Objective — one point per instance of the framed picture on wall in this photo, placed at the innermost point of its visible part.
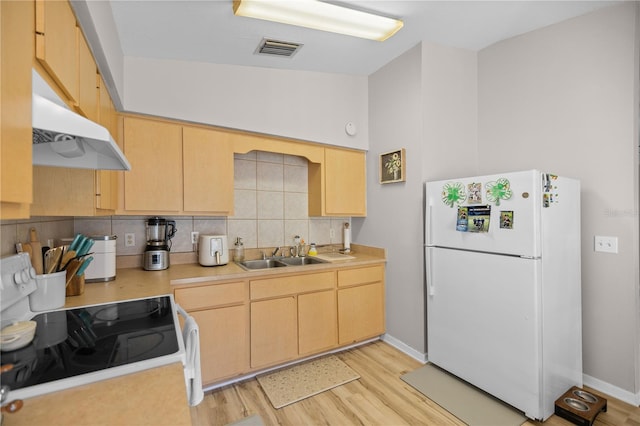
(392, 166)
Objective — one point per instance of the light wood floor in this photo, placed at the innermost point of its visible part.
(379, 397)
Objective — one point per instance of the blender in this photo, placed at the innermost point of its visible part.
(159, 234)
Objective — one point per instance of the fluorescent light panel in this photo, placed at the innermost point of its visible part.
(320, 16)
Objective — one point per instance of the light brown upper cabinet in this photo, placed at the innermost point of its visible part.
(177, 169)
(88, 80)
(337, 187)
(154, 150)
(59, 191)
(57, 44)
(208, 171)
(106, 180)
(337, 177)
(16, 38)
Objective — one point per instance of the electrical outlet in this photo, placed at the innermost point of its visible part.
(606, 244)
(129, 239)
(194, 237)
(332, 234)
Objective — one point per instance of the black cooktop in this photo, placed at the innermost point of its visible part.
(94, 338)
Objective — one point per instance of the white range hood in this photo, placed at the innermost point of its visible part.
(63, 138)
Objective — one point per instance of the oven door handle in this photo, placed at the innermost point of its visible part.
(192, 372)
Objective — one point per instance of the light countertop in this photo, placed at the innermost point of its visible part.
(156, 396)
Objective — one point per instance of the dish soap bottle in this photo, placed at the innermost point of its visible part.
(238, 254)
(312, 249)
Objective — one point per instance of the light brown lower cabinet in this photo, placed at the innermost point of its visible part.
(361, 310)
(223, 347)
(274, 331)
(221, 311)
(246, 326)
(296, 318)
(317, 322)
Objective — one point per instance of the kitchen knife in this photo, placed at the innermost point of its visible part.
(36, 253)
(76, 242)
(66, 258)
(85, 247)
(85, 264)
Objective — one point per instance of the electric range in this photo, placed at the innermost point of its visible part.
(82, 345)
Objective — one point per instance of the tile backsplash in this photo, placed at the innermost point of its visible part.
(271, 207)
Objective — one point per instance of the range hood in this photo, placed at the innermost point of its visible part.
(63, 138)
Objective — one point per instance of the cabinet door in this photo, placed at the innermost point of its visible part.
(274, 331)
(345, 182)
(360, 312)
(208, 171)
(61, 191)
(154, 150)
(317, 322)
(88, 101)
(106, 180)
(16, 41)
(56, 43)
(224, 346)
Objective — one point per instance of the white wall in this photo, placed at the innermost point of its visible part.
(424, 101)
(394, 211)
(565, 99)
(303, 105)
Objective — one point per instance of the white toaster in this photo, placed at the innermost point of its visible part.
(213, 250)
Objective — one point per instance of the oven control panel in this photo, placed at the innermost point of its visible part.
(18, 279)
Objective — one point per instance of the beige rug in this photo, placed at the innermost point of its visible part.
(466, 402)
(292, 384)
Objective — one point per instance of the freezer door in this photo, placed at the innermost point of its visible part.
(521, 237)
(483, 323)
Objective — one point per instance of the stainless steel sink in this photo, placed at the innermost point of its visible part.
(278, 263)
(297, 261)
(261, 264)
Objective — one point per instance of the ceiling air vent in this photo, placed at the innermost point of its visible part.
(278, 48)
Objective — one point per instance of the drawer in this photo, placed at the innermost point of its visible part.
(283, 286)
(211, 296)
(371, 274)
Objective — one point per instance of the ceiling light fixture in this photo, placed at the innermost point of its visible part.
(320, 16)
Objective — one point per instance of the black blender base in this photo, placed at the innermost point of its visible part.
(579, 406)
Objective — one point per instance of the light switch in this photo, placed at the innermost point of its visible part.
(606, 244)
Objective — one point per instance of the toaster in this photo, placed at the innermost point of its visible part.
(213, 250)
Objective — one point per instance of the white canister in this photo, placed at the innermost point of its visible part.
(103, 266)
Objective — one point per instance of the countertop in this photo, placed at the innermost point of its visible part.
(151, 397)
(156, 396)
(134, 283)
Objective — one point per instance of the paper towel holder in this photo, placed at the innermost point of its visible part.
(346, 239)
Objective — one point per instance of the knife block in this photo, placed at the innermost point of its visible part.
(76, 286)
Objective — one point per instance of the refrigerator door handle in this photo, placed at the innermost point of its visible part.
(431, 288)
(428, 227)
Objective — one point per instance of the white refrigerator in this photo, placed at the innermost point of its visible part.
(502, 255)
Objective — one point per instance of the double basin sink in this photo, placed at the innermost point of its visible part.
(278, 262)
